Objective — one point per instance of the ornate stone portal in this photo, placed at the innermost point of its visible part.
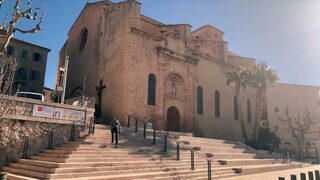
(174, 102)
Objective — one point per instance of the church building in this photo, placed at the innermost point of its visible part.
(165, 74)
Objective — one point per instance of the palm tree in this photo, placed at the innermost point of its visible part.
(239, 77)
(260, 78)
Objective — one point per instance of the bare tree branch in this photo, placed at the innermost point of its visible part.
(16, 17)
(299, 125)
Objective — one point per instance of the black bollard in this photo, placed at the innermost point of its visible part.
(154, 137)
(192, 159)
(178, 150)
(209, 169)
(165, 142)
(50, 140)
(72, 132)
(144, 130)
(25, 148)
(136, 127)
(129, 117)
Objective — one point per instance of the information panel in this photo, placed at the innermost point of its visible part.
(57, 113)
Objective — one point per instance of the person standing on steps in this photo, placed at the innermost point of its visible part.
(115, 128)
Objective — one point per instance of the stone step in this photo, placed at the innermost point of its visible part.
(213, 145)
(39, 163)
(102, 171)
(243, 162)
(112, 163)
(146, 175)
(268, 168)
(31, 167)
(223, 150)
(219, 156)
(148, 167)
(23, 172)
(120, 174)
(107, 155)
(203, 139)
(11, 176)
(49, 159)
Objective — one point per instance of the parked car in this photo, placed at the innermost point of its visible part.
(30, 95)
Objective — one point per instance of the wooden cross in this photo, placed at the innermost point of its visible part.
(99, 94)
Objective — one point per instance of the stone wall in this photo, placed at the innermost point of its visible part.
(15, 132)
(18, 124)
(298, 99)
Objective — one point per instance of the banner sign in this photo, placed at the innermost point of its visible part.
(57, 113)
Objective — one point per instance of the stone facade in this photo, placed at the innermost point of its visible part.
(47, 93)
(116, 43)
(32, 61)
(298, 99)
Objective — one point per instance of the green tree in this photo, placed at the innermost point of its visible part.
(259, 79)
(239, 77)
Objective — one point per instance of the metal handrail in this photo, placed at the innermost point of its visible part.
(50, 139)
(46, 132)
(179, 143)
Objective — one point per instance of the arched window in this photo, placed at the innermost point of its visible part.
(217, 104)
(249, 111)
(152, 89)
(83, 39)
(199, 100)
(236, 108)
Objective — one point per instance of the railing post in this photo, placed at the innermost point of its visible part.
(178, 150)
(317, 156)
(129, 117)
(136, 126)
(50, 140)
(72, 131)
(90, 127)
(25, 148)
(154, 137)
(144, 130)
(3, 175)
(165, 137)
(209, 169)
(192, 159)
(94, 127)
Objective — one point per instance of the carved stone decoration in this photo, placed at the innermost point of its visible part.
(174, 87)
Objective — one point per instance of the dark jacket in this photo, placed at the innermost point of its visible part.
(115, 123)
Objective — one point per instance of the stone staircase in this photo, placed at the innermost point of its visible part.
(94, 157)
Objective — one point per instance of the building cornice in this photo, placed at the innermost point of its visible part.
(171, 53)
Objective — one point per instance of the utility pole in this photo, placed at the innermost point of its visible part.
(66, 62)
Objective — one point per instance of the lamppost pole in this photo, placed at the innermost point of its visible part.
(66, 63)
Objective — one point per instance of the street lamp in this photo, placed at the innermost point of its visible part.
(65, 73)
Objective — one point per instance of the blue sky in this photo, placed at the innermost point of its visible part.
(285, 34)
